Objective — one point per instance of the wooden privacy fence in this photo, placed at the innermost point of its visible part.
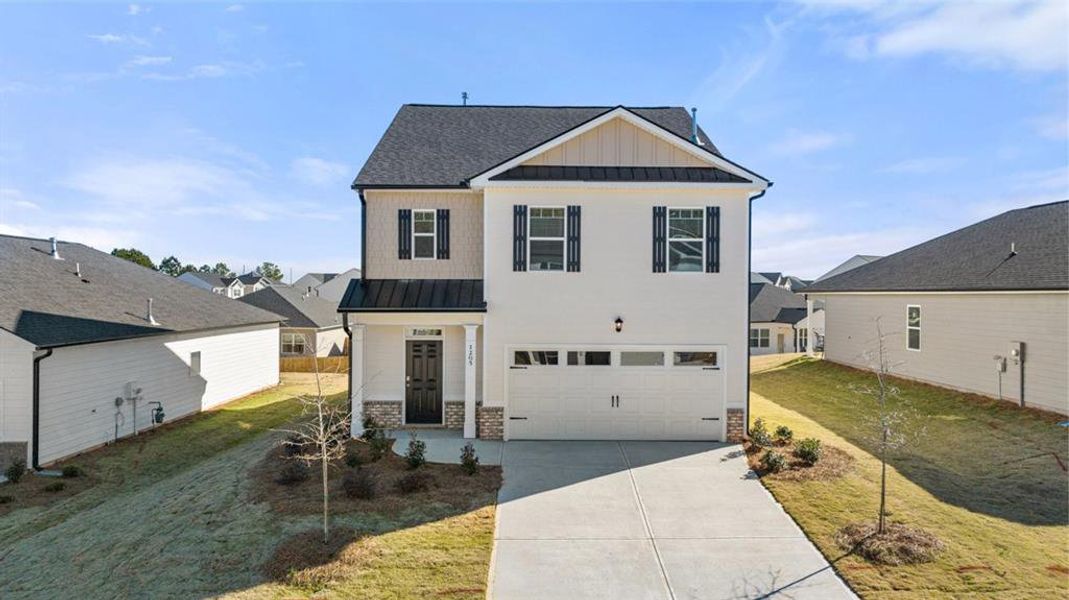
(304, 364)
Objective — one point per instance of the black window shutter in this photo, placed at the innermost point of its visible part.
(660, 233)
(404, 233)
(519, 238)
(574, 229)
(443, 233)
(712, 239)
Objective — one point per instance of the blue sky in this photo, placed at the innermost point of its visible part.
(232, 131)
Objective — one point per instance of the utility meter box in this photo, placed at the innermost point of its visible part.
(1000, 363)
(132, 389)
(1017, 352)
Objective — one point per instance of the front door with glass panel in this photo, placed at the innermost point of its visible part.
(423, 381)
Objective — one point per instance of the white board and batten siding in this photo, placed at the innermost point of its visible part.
(960, 335)
(79, 384)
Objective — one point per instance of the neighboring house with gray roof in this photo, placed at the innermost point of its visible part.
(334, 288)
(308, 282)
(231, 287)
(93, 348)
(777, 320)
(983, 309)
(312, 325)
(853, 262)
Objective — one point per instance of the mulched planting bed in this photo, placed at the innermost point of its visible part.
(446, 485)
(304, 560)
(899, 544)
(833, 463)
(39, 490)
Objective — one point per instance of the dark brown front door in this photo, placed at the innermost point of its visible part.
(423, 382)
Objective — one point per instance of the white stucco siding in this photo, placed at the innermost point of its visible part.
(384, 362)
(16, 387)
(960, 335)
(616, 280)
(79, 384)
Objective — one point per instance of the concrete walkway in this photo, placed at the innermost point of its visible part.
(646, 520)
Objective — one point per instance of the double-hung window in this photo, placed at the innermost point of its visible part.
(292, 343)
(913, 327)
(424, 234)
(546, 239)
(759, 338)
(686, 239)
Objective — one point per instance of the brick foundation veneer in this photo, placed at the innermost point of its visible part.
(490, 422)
(454, 415)
(387, 413)
(736, 426)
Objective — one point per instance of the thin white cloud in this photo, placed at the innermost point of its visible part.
(1055, 127)
(925, 165)
(317, 171)
(148, 61)
(136, 9)
(809, 256)
(12, 199)
(209, 71)
(95, 237)
(797, 142)
(115, 38)
(771, 223)
(739, 68)
(235, 8)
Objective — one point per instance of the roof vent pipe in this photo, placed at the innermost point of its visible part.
(694, 125)
(78, 269)
(464, 98)
(55, 249)
(151, 319)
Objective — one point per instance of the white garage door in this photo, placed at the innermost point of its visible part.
(615, 394)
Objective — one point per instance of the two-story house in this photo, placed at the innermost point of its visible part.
(552, 273)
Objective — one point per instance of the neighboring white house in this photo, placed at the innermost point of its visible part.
(334, 288)
(552, 273)
(94, 348)
(777, 318)
(984, 309)
(217, 284)
(312, 325)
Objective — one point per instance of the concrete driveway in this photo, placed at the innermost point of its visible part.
(637, 520)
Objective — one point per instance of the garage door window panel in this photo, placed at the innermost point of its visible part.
(642, 358)
(694, 359)
(589, 358)
(543, 358)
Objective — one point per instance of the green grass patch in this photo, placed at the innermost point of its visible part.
(987, 479)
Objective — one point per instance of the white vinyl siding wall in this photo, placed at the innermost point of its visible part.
(79, 384)
(16, 388)
(961, 335)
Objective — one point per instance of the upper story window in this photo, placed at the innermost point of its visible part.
(913, 327)
(546, 239)
(424, 233)
(686, 237)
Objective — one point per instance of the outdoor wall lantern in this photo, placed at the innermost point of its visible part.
(619, 324)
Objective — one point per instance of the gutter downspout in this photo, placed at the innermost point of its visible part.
(363, 233)
(349, 333)
(38, 356)
(749, 269)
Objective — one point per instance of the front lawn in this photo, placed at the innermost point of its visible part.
(179, 513)
(988, 479)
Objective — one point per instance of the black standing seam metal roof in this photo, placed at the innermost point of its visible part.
(975, 258)
(446, 145)
(413, 295)
(612, 173)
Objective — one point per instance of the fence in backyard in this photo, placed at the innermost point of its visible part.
(304, 364)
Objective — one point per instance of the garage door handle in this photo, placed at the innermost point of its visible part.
(710, 418)
(517, 367)
(517, 418)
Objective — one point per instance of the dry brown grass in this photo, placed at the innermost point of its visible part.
(833, 463)
(449, 486)
(898, 544)
(303, 560)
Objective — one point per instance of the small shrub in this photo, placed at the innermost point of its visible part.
(7, 499)
(293, 446)
(372, 429)
(416, 455)
(379, 446)
(15, 472)
(784, 435)
(411, 483)
(759, 434)
(773, 462)
(55, 486)
(809, 450)
(72, 471)
(375, 436)
(360, 484)
(353, 459)
(293, 472)
(469, 462)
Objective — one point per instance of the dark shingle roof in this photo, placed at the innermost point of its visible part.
(248, 278)
(976, 258)
(298, 309)
(413, 295)
(211, 278)
(659, 174)
(771, 304)
(45, 303)
(435, 145)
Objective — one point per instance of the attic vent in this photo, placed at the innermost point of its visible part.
(148, 317)
(55, 249)
(694, 126)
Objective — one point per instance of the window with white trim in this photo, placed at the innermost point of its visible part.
(424, 232)
(913, 327)
(238, 291)
(759, 338)
(545, 239)
(194, 363)
(686, 240)
(293, 343)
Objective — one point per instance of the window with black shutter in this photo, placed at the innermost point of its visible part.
(519, 238)
(404, 234)
(660, 230)
(712, 239)
(443, 233)
(574, 229)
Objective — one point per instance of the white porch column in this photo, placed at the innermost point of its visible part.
(809, 339)
(471, 350)
(356, 379)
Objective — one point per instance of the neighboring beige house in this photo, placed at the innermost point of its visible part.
(984, 309)
(311, 325)
(775, 317)
(231, 287)
(550, 272)
(334, 288)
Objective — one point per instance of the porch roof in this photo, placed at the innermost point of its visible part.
(413, 296)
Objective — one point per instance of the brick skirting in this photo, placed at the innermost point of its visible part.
(490, 422)
(736, 425)
(387, 413)
(454, 415)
